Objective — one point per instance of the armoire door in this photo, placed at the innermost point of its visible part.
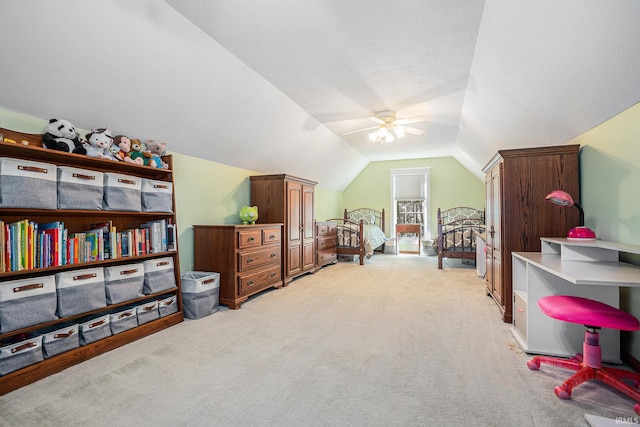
(308, 238)
(489, 227)
(496, 232)
(294, 228)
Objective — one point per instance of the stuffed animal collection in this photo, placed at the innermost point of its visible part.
(61, 135)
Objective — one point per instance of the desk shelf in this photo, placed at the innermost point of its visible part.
(589, 269)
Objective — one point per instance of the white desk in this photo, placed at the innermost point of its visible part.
(588, 269)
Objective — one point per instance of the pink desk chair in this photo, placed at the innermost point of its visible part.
(588, 365)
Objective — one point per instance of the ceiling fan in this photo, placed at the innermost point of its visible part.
(388, 129)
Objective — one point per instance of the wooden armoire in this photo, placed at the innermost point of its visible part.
(517, 214)
(289, 200)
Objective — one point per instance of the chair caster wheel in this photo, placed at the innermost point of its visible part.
(533, 365)
(562, 392)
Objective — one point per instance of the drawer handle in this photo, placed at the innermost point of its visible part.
(273, 255)
(24, 346)
(32, 169)
(272, 236)
(168, 303)
(250, 283)
(67, 335)
(28, 287)
(161, 263)
(127, 181)
(161, 186)
(207, 281)
(250, 260)
(135, 270)
(251, 239)
(85, 276)
(273, 274)
(127, 314)
(322, 244)
(81, 176)
(149, 308)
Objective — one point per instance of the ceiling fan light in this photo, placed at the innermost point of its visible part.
(373, 136)
(383, 132)
(398, 131)
(389, 138)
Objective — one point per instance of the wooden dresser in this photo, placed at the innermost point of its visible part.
(248, 258)
(327, 241)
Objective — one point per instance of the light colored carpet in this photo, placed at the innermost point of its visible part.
(396, 342)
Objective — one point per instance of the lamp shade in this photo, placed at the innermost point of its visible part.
(560, 198)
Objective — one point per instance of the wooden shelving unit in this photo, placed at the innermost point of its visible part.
(77, 221)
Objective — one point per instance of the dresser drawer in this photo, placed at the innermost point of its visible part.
(327, 243)
(249, 238)
(270, 235)
(249, 260)
(327, 256)
(253, 282)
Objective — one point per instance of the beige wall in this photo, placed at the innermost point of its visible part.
(610, 192)
(450, 185)
(212, 193)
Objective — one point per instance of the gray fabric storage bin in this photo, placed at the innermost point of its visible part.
(63, 338)
(94, 329)
(27, 302)
(157, 196)
(167, 306)
(21, 354)
(79, 188)
(27, 184)
(123, 320)
(147, 312)
(122, 192)
(123, 282)
(80, 291)
(158, 275)
(200, 293)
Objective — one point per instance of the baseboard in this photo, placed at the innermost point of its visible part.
(631, 361)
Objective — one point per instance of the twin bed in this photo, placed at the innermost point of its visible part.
(457, 230)
(360, 232)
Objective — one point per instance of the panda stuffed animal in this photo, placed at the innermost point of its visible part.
(60, 135)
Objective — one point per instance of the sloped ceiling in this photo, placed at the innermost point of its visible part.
(271, 86)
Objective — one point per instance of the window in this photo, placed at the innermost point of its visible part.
(410, 211)
(410, 197)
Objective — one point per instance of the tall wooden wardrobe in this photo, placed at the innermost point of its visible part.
(517, 214)
(289, 200)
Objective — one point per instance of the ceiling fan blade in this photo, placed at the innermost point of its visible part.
(377, 120)
(412, 131)
(408, 120)
(360, 130)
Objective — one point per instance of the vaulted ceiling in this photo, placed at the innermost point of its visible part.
(272, 86)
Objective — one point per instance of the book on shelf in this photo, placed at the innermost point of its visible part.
(107, 237)
(55, 230)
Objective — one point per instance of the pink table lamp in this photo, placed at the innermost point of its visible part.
(564, 199)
